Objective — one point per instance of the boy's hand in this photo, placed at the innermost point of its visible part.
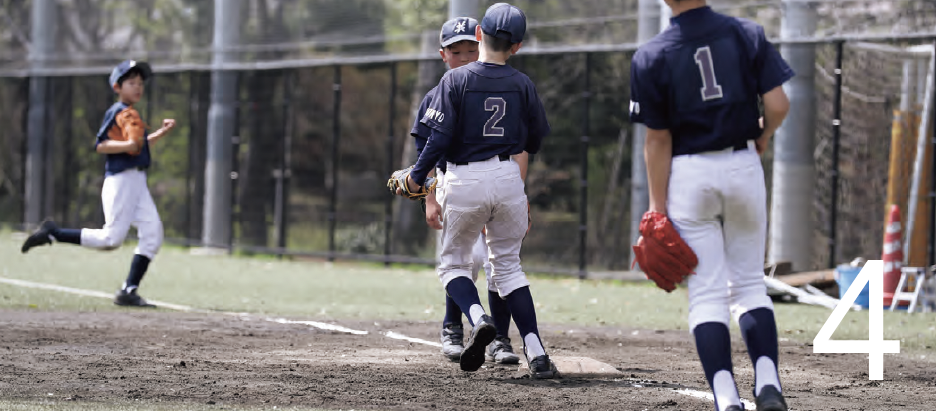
(433, 213)
(168, 124)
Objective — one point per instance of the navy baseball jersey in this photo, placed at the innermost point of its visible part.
(479, 111)
(420, 131)
(122, 122)
(701, 79)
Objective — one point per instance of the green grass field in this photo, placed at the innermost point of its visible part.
(323, 291)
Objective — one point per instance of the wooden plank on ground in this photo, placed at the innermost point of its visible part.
(804, 278)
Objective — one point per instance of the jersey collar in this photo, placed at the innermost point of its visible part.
(691, 15)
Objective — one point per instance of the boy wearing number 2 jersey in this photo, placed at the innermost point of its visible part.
(481, 116)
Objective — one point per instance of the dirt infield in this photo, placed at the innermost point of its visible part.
(223, 362)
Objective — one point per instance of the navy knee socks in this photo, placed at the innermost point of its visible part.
(713, 342)
(465, 294)
(500, 312)
(453, 314)
(759, 330)
(67, 236)
(137, 270)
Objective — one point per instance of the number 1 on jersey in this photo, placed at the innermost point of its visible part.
(710, 88)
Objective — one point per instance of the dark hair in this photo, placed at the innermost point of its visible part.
(497, 44)
(133, 72)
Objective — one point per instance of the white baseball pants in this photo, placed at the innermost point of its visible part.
(489, 194)
(127, 202)
(479, 253)
(718, 203)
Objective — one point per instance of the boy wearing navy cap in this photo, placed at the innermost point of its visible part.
(483, 119)
(125, 195)
(458, 47)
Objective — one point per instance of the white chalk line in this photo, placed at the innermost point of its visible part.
(748, 405)
(91, 293)
(394, 335)
(318, 325)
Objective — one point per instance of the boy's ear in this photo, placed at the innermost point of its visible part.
(442, 54)
(116, 88)
(478, 32)
(515, 48)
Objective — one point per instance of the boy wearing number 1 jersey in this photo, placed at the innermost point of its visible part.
(696, 86)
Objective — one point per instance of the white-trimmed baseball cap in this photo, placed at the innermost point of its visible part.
(458, 29)
(125, 67)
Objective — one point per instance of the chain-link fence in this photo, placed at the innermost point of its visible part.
(326, 97)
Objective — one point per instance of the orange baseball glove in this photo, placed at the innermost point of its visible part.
(662, 254)
(129, 127)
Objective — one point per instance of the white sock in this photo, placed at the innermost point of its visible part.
(476, 312)
(725, 390)
(533, 345)
(765, 373)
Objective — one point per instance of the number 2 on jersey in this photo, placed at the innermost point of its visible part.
(710, 88)
(497, 105)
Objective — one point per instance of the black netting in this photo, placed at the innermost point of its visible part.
(285, 161)
(14, 106)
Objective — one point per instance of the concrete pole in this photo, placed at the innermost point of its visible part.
(649, 24)
(464, 8)
(42, 39)
(665, 15)
(221, 116)
(794, 174)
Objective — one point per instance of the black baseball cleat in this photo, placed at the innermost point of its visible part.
(734, 408)
(770, 399)
(542, 368)
(124, 298)
(482, 335)
(42, 236)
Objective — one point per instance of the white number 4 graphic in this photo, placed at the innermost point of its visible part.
(875, 346)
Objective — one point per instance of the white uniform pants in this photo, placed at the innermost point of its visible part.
(479, 253)
(127, 202)
(718, 203)
(489, 194)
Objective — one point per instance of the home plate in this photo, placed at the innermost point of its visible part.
(579, 366)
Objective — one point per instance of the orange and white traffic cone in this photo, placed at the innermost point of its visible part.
(893, 254)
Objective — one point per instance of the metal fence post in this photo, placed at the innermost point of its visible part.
(932, 195)
(388, 203)
(218, 207)
(68, 171)
(38, 134)
(193, 117)
(583, 184)
(836, 133)
(234, 211)
(283, 173)
(336, 134)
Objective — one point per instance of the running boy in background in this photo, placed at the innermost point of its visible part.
(458, 47)
(125, 195)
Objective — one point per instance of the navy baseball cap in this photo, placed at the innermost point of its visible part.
(125, 67)
(504, 22)
(458, 29)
